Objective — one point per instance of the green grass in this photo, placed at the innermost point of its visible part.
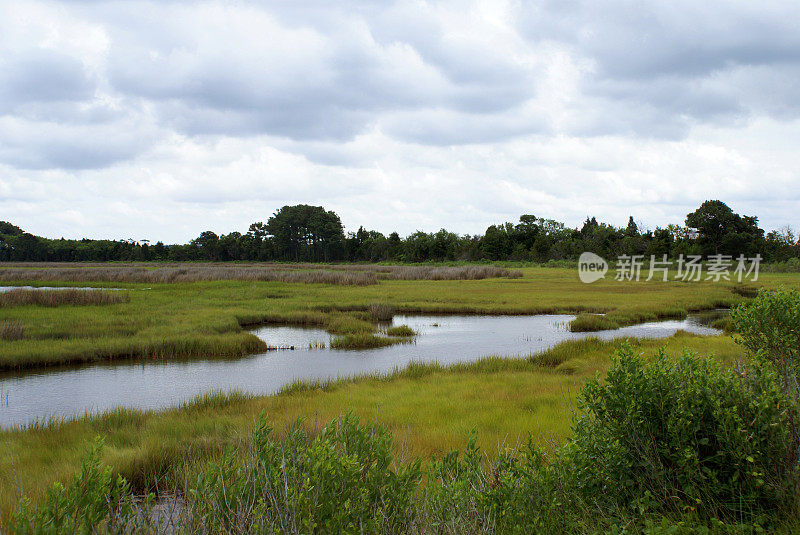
(400, 330)
(429, 408)
(206, 318)
(592, 323)
(364, 341)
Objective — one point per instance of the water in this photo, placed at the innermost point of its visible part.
(4, 289)
(155, 385)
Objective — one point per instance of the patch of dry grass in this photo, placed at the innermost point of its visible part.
(54, 298)
(339, 274)
(381, 312)
(452, 273)
(190, 274)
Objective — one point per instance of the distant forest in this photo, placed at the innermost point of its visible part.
(313, 234)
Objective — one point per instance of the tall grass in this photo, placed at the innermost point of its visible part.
(231, 344)
(11, 330)
(381, 311)
(54, 298)
(344, 275)
(453, 273)
(190, 274)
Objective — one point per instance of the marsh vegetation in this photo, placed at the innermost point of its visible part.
(672, 443)
(424, 412)
(59, 297)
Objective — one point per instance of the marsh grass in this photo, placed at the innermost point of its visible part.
(342, 275)
(430, 407)
(77, 351)
(191, 274)
(54, 298)
(222, 466)
(401, 330)
(365, 341)
(591, 323)
(381, 311)
(342, 324)
(11, 330)
(204, 319)
(453, 273)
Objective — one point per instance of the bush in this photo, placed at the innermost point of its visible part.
(341, 481)
(769, 327)
(673, 436)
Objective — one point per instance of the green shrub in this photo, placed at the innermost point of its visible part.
(678, 435)
(769, 327)
(340, 481)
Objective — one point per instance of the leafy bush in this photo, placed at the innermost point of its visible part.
(511, 492)
(684, 435)
(341, 481)
(769, 327)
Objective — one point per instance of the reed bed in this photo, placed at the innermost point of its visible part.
(190, 274)
(345, 275)
(381, 312)
(54, 298)
(452, 273)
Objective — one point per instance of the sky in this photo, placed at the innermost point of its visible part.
(159, 120)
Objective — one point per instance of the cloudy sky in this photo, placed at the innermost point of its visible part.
(162, 119)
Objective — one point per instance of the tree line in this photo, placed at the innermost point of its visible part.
(304, 233)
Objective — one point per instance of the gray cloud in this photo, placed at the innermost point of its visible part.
(554, 106)
(42, 76)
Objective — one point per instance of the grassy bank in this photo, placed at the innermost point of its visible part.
(429, 409)
(205, 318)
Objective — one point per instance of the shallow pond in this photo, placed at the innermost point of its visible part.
(156, 385)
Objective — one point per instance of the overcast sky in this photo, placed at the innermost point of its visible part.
(158, 120)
